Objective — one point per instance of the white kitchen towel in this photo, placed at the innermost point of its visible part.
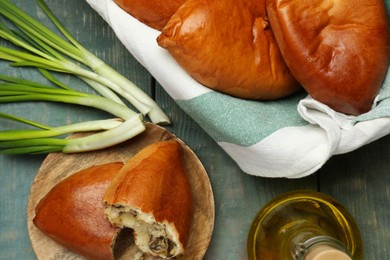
(291, 137)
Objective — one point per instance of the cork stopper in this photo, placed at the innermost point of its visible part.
(325, 252)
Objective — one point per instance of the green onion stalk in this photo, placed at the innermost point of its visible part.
(46, 50)
(44, 139)
(39, 47)
(118, 134)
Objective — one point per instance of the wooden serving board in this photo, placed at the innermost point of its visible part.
(58, 166)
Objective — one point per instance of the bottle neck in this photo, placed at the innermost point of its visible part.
(320, 248)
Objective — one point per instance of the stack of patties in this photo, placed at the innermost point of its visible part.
(338, 51)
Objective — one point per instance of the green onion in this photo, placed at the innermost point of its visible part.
(45, 139)
(47, 131)
(43, 48)
(11, 92)
(118, 134)
(39, 47)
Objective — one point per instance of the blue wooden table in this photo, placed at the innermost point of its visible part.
(360, 180)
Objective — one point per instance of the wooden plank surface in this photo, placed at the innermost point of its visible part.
(360, 179)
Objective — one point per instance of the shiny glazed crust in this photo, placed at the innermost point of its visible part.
(228, 46)
(153, 13)
(154, 184)
(337, 50)
(72, 213)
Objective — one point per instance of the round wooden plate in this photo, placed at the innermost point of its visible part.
(58, 166)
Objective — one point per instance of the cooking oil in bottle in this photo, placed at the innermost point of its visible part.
(304, 225)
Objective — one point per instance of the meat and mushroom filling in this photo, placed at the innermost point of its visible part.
(161, 244)
(149, 235)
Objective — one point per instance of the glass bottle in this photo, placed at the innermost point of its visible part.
(304, 225)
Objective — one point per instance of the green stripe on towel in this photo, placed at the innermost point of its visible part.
(242, 122)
